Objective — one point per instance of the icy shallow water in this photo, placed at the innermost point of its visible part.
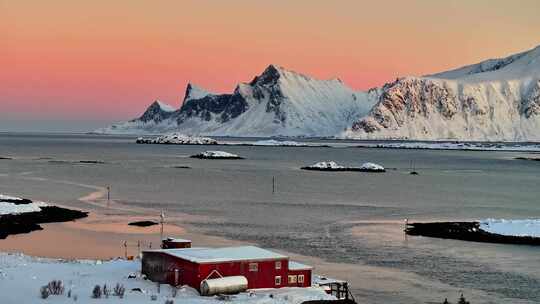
(344, 217)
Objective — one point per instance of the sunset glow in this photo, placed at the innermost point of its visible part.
(107, 60)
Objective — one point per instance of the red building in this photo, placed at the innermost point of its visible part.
(190, 266)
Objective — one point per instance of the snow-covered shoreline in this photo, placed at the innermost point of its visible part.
(501, 231)
(20, 215)
(17, 205)
(525, 227)
(22, 276)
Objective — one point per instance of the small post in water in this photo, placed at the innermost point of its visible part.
(273, 184)
(108, 195)
(161, 221)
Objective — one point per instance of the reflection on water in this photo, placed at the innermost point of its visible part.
(350, 217)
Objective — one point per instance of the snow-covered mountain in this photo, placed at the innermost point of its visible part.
(277, 102)
(494, 100)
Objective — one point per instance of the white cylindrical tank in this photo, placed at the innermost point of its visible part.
(226, 285)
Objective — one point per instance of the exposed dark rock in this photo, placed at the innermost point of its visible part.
(466, 231)
(28, 222)
(155, 113)
(528, 158)
(91, 162)
(21, 201)
(143, 223)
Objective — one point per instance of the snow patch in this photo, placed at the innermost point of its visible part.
(326, 165)
(165, 107)
(526, 227)
(12, 208)
(216, 155)
(372, 167)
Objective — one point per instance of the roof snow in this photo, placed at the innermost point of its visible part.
(227, 254)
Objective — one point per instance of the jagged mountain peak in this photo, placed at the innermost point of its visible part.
(269, 76)
(156, 112)
(160, 105)
(194, 91)
(275, 73)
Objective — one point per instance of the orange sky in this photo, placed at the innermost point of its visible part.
(107, 60)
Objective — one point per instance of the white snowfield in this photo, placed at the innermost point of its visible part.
(22, 276)
(179, 139)
(526, 227)
(11, 208)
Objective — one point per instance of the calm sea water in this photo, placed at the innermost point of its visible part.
(349, 217)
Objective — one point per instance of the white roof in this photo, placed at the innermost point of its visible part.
(298, 266)
(227, 254)
(169, 239)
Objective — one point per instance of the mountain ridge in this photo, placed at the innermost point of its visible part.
(276, 102)
(493, 100)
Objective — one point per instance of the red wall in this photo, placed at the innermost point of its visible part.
(192, 274)
(263, 278)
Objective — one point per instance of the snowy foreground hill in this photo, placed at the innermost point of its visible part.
(494, 100)
(277, 102)
(21, 278)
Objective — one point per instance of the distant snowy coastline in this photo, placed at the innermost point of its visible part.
(463, 146)
(183, 139)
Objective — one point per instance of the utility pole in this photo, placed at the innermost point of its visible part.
(161, 221)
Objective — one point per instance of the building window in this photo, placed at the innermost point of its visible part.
(253, 267)
(301, 278)
(292, 279)
(278, 265)
(278, 280)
